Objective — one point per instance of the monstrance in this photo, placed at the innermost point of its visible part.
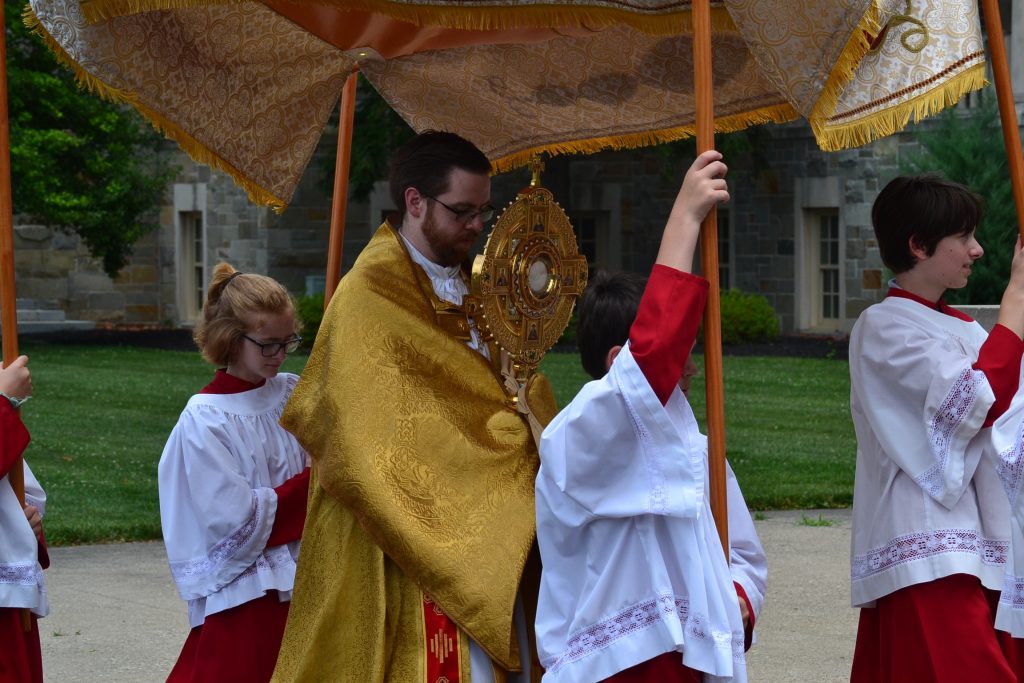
(527, 280)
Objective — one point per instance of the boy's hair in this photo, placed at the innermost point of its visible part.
(605, 314)
(235, 302)
(426, 162)
(923, 208)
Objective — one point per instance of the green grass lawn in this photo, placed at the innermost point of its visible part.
(100, 417)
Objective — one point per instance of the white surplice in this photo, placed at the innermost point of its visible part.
(632, 563)
(927, 502)
(217, 477)
(1008, 448)
(21, 576)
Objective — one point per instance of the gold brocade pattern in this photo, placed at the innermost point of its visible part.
(410, 430)
(245, 89)
(798, 44)
(619, 88)
(236, 85)
(919, 67)
(354, 617)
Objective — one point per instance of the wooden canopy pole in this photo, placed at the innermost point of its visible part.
(8, 298)
(1007, 109)
(339, 202)
(702, 80)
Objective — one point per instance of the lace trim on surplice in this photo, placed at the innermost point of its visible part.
(188, 572)
(927, 544)
(270, 559)
(636, 618)
(1013, 592)
(21, 574)
(944, 424)
(39, 503)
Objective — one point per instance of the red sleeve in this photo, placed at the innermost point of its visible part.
(748, 635)
(999, 359)
(666, 326)
(13, 437)
(44, 553)
(291, 510)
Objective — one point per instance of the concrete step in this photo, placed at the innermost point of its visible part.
(40, 326)
(35, 316)
(40, 315)
(33, 304)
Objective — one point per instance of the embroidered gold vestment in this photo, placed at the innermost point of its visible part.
(423, 480)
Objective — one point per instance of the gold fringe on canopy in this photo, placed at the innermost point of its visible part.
(925, 59)
(892, 120)
(781, 113)
(197, 151)
(659, 18)
(845, 67)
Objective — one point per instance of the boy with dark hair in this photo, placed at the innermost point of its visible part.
(635, 585)
(931, 523)
(605, 313)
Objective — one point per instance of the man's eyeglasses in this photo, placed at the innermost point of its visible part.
(467, 215)
(271, 349)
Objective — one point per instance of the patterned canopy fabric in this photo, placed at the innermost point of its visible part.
(248, 86)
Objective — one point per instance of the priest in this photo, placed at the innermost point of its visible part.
(418, 559)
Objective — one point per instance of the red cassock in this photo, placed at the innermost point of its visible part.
(20, 657)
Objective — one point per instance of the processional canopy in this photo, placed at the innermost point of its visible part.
(527, 280)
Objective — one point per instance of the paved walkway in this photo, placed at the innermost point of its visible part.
(116, 617)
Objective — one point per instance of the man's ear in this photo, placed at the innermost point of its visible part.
(612, 353)
(919, 252)
(415, 203)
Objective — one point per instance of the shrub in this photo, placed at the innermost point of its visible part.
(747, 318)
(310, 310)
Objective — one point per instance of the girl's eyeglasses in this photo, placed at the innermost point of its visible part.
(271, 349)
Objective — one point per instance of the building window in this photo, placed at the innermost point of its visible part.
(594, 240)
(192, 249)
(821, 275)
(828, 264)
(586, 238)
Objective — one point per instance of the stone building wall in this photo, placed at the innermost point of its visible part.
(54, 271)
(766, 216)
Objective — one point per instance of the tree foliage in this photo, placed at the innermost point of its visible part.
(78, 163)
(377, 132)
(967, 146)
(748, 143)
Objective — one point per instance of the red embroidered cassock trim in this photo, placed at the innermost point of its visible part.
(941, 306)
(440, 645)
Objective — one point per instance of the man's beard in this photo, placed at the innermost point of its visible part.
(450, 250)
